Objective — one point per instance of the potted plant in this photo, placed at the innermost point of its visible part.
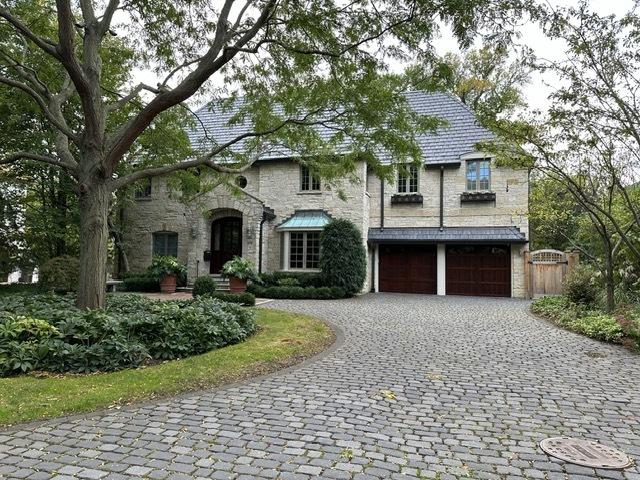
(239, 271)
(167, 269)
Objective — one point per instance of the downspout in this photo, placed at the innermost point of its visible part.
(264, 219)
(381, 204)
(441, 198)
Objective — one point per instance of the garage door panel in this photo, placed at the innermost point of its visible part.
(407, 269)
(478, 270)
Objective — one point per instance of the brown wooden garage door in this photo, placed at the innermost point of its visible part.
(407, 268)
(479, 270)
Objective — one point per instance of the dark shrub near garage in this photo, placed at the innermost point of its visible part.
(343, 260)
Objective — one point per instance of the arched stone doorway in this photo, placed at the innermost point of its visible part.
(226, 241)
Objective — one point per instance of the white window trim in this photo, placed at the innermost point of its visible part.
(287, 248)
(407, 182)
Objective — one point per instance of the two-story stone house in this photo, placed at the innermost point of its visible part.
(456, 225)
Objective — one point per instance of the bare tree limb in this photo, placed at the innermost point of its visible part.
(131, 95)
(107, 17)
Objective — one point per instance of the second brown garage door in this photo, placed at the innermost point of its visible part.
(479, 270)
(407, 268)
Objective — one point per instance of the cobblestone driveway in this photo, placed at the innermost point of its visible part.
(477, 383)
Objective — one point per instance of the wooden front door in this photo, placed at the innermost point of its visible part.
(226, 241)
(407, 268)
(483, 270)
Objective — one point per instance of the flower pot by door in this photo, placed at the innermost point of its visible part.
(168, 284)
(236, 285)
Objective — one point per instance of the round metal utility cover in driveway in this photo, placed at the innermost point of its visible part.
(585, 452)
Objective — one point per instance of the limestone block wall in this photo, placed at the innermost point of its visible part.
(510, 208)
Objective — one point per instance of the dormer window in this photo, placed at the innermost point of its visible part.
(408, 179)
(479, 175)
(308, 183)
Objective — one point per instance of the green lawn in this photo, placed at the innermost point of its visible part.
(284, 339)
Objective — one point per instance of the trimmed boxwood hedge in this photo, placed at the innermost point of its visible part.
(317, 293)
(143, 283)
(203, 285)
(48, 332)
(304, 279)
(245, 298)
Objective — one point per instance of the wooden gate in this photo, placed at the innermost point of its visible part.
(547, 269)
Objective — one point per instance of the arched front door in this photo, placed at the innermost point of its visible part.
(226, 241)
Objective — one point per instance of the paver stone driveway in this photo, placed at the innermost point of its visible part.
(477, 384)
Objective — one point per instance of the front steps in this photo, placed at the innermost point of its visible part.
(222, 284)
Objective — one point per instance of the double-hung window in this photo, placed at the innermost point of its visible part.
(308, 183)
(408, 179)
(304, 250)
(165, 243)
(479, 174)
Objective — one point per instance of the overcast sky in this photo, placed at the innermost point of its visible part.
(532, 36)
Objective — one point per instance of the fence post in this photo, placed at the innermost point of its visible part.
(527, 275)
(573, 260)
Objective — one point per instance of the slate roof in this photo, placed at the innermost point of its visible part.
(447, 235)
(446, 145)
(305, 219)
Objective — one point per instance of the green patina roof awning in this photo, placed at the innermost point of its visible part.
(305, 220)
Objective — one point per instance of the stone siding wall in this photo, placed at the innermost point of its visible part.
(276, 184)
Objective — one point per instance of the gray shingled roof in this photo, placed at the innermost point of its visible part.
(447, 235)
(446, 145)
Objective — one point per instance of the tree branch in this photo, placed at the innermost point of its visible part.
(207, 158)
(122, 140)
(60, 124)
(44, 44)
(14, 157)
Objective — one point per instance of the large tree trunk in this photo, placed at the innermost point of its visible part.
(94, 234)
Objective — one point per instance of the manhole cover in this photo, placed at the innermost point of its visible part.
(585, 452)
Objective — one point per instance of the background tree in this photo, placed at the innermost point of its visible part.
(589, 142)
(318, 61)
(486, 79)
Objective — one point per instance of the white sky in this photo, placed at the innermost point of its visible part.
(539, 88)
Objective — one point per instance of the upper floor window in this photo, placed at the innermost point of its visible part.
(165, 243)
(479, 174)
(308, 182)
(143, 188)
(304, 250)
(408, 179)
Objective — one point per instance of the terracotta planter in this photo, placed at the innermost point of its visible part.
(236, 285)
(168, 284)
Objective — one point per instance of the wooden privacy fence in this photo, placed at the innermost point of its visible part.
(545, 271)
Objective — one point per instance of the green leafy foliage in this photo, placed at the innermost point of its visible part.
(241, 268)
(299, 293)
(600, 326)
(581, 286)
(203, 286)
(162, 265)
(343, 260)
(47, 331)
(60, 274)
(575, 317)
